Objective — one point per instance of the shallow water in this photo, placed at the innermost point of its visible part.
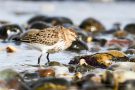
(26, 58)
(107, 13)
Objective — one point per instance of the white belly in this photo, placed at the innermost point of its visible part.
(44, 48)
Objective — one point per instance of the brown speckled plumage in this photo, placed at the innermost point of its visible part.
(46, 36)
(50, 40)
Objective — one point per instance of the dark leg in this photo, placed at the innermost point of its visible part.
(39, 58)
(48, 57)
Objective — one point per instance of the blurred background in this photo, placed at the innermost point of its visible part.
(106, 11)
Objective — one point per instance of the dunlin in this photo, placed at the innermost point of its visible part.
(49, 40)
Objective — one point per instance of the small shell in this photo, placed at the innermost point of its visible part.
(89, 39)
(82, 62)
(11, 49)
(120, 34)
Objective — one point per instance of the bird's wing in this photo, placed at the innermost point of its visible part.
(47, 37)
(29, 36)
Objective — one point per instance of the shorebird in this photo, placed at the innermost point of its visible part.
(49, 40)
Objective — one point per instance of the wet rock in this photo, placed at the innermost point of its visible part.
(120, 34)
(51, 84)
(93, 86)
(59, 21)
(88, 76)
(130, 51)
(71, 68)
(82, 36)
(115, 47)
(95, 48)
(37, 18)
(108, 79)
(54, 63)
(116, 27)
(38, 25)
(117, 78)
(30, 76)
(3, 22)
(77, 76)
(9, 31)
(78, 46)
(130, 28)
(101, 60)
(116, 53)
(96, 79)
(92, 25)
(127, 66)
(122, 75)
(80, 68)
(10, 79)
(100, 42)
(120, 42)
(127, 85)
(46, 72)
(132, 58)
(62, 72)
(132, 47)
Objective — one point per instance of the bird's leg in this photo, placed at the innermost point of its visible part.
(39, 58)
(48, 57)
